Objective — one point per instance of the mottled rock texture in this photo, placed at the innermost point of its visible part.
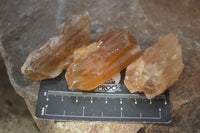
(14, 114)
(27, 25)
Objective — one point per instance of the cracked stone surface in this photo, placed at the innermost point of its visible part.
(26, 25)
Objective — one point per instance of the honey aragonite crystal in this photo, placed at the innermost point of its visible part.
(57, 54)
(157, 69)
(100, 61)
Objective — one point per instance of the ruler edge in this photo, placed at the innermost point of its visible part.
(123, 122)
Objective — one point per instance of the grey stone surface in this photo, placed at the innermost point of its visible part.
(14, 115)
(26, 25)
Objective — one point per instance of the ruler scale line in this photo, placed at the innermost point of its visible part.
(97, 95)
(105, 117)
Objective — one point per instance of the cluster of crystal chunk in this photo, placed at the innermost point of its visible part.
(90, 65)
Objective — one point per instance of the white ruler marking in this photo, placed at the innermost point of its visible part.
(135, 101)
(45, 93)
(120, 101)
(91, 100)
(83, 112)
(76, 99)
(64, 112)
(121, 111)
(140, 115)
(42, 111)
(46, 110)
(150, 101)
(106, 100)
(165, 101)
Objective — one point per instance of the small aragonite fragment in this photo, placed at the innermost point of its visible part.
(157, 69)
(57, 54)
(96, 63)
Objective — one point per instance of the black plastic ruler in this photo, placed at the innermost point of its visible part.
(109, 102)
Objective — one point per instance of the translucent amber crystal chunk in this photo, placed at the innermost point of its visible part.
(100, 61)
(57, 54)
(157, 69)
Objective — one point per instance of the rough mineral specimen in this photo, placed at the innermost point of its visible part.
(100, 61)
(57, 54)
(157, 69)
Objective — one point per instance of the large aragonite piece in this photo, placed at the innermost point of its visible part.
(157, 69)
(100, 61)
(57, 54)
